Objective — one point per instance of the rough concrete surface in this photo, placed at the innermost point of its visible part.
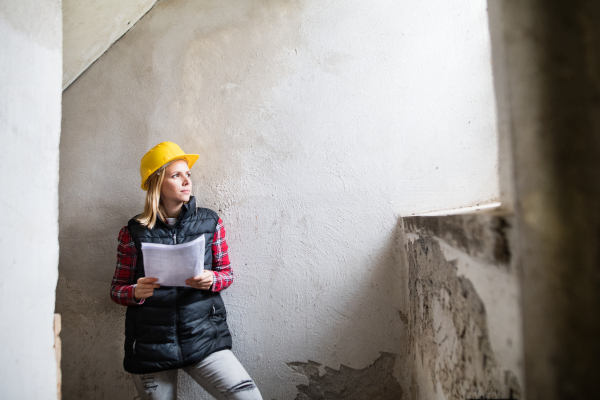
(314, 123)
(30, 108)
(449, 346)
(480, 235)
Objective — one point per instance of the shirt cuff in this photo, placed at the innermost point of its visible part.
(133, 300)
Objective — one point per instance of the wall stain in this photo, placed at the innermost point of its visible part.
(373, 382)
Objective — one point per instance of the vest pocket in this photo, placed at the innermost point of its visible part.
(211, 319)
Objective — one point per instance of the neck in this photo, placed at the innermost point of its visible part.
(172, 209)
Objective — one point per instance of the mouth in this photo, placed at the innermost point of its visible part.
(185, 191)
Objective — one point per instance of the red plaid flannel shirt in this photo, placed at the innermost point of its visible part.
(121, 290)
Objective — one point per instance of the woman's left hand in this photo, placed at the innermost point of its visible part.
(203, 281)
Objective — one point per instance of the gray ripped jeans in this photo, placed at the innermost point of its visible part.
(220, 374)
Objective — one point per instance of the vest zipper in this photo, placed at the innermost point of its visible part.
(177, 311)
(177, 325)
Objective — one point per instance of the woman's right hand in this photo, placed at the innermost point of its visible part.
(145, 288)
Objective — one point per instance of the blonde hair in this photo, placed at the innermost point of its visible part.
(153, 207)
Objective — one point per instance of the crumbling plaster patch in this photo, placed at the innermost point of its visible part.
(500, 293)
(480, 235)
(449, 345)
(375, 381)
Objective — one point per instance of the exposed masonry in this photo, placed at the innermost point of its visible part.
(373, 382)
(479, 235)
(448, 324)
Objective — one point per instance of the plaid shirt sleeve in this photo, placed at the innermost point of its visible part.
(223, 275)
(123, 283)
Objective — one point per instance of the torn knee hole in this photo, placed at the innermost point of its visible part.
(149, 385)
(240, 387)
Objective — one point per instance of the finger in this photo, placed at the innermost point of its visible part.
(147, 280)
(148, 285)
(145, 288)
(204, 274)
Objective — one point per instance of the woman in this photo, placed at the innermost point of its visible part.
(167, 328)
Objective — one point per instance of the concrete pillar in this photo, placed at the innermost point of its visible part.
(30, 111)
(547, 75)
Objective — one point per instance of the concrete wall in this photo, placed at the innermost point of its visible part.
(30, 107)
(546, 64)
(317, 125)
(91, 26)
(462, 331)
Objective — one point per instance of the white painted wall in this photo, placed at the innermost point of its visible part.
(317, 123)
(90, 27)
(30, 107)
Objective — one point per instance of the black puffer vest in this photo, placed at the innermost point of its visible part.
(176, 326)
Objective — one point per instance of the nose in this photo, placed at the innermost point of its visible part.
(187, 180)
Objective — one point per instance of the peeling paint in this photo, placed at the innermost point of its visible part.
(373, 382)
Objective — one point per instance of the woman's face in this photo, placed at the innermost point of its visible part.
(177, 184)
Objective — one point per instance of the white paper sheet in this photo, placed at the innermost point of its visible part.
(173, 264)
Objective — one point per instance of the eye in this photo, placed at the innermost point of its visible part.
(175, 175)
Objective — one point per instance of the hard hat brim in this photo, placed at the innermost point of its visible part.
(190, 158)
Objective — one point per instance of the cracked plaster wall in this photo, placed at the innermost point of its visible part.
(315, 123)
(462, 323)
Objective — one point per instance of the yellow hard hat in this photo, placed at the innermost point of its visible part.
(161, 154)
